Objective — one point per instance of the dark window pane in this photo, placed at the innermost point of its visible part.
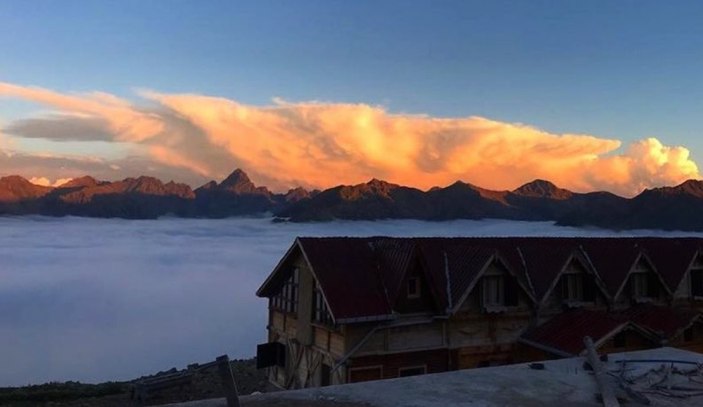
(511, 291)
(697, 283)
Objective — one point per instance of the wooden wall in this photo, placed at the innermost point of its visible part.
(435, 361)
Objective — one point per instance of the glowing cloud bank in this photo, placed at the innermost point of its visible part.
(317, 144)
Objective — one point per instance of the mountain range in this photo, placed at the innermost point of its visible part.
(670, 208)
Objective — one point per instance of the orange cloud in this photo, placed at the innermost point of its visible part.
(167, 155)
(327, 144)
(320, 145)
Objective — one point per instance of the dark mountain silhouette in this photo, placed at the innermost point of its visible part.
(235, 195)
(671, 208)
(679, 207)
(372, 200)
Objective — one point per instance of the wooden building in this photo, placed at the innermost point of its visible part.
(345, 310)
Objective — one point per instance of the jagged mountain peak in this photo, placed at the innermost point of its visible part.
(238, 182)
(379, 184)
(15, 187)
(374, 187)
(236, 179)
(84, 181)
(690, 187)
(210, 185)
(540, 188)
(15, 179)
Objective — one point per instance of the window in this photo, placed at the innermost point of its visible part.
(644, 283)
(644, 286)
(619, 341)
(287, 298)
(697, 282)
(499, 290)
(412, 371)
(572, 287)
(320, 312)
(413, 287)
(493, 291)
(638, 285)
(688, 334)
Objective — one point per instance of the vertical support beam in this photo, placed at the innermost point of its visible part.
(606, 391)
(228, 384)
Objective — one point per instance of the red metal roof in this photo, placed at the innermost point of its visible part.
(613, 259)
(672, 257)
(664, 321)
(395, 258)
(349, 274)
(565, 332)
(361, 277)
(549, 257)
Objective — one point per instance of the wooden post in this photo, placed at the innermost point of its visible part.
(606, 391)
(228, 384)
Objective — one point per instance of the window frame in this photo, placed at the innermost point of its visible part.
(288, 297)
(320, 311)
(572, 287)
(495, 291)
(639, 285)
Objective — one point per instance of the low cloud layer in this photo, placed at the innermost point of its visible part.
(106, 303)
(194, 138)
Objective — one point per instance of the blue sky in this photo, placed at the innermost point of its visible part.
(621, 70)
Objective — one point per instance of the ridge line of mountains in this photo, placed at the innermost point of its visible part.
(669, 208)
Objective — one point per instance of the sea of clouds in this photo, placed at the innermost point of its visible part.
(102, 299)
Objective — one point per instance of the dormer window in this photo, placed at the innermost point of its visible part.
(577, 286)
(572, 287)
(493, 291)
(414, 287)
(499, 289)
(697, 281)
(644, 284)
(639, 285)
